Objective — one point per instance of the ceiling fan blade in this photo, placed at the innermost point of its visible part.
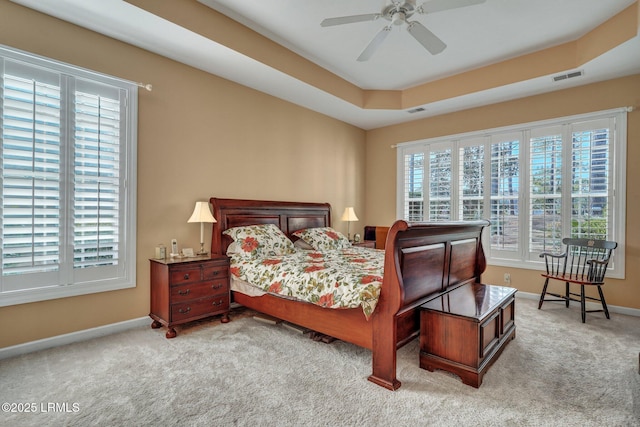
(349, 19)
(374, 44)
(430, 41)
(432, 6)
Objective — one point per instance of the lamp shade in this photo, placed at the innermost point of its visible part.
(349, 214)
(202, 213)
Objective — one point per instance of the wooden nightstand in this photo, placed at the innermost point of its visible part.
(366, 244)
(187, 289)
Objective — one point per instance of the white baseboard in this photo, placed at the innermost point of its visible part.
(72, 337)
(590, 305)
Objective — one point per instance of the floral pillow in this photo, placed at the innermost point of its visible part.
(323, 238)
(258, 241)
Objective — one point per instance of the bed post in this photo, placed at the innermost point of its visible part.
(384, 343)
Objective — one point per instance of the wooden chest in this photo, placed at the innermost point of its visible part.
(465, 330)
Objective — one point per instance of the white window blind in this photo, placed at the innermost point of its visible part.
(471, 184)
(97, 179)
(537, 183)
(505, 194)
(440, 185)
(68, 156)
(413, 186)
(30, 176)
(545, 190)
(590, 179)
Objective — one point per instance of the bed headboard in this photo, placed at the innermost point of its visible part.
(289, 216)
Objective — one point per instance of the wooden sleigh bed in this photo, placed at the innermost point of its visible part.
(422, 261)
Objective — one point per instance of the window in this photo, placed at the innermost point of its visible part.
(440, 184)
(413, 186)
(504, 193)
(471, 182)
(68, 154)
(537, 183)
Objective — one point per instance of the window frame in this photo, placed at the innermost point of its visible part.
(523, 257)
(70, 282)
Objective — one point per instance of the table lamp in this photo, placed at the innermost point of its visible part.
(202, 213)
(349, 215)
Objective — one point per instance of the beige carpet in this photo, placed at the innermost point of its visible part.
(557, 372)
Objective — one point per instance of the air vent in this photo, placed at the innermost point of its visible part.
(415, 110)
(571, 75)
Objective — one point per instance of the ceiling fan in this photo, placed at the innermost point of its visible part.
(397, 13)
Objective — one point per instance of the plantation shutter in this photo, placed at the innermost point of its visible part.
(471, 181)
(591, 184)
(31, 118)
(96, 176)
(413, 186)
(546, 181)
(504, 194)
(440, 184)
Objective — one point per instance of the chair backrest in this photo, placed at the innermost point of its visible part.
(587, 259)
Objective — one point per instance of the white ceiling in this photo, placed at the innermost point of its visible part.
(476, 36)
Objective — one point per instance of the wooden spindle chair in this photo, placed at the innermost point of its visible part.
(584, 263)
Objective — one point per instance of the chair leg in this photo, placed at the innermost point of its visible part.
(604, 303)
(544, 292)
(566, 293)
(582, 304)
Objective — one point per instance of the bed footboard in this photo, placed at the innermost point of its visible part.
(422, 261)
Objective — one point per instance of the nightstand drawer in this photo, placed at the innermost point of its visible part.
(184, 276)
(191, 291)
(200, 290)
(199, 308)
(215, 272)
(218, 286)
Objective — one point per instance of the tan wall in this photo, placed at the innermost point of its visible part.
(381, 165)
(198, 136)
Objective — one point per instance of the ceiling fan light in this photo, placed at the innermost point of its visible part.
(398, 18)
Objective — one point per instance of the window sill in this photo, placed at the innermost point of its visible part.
(538, 266)
(56, 292)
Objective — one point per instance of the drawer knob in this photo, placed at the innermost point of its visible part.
(215, 273)
(185, 310)
(181, 292)
(217, 303)
(186, 276)
(216, 286)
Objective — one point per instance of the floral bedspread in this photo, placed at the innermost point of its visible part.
(341, 278)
